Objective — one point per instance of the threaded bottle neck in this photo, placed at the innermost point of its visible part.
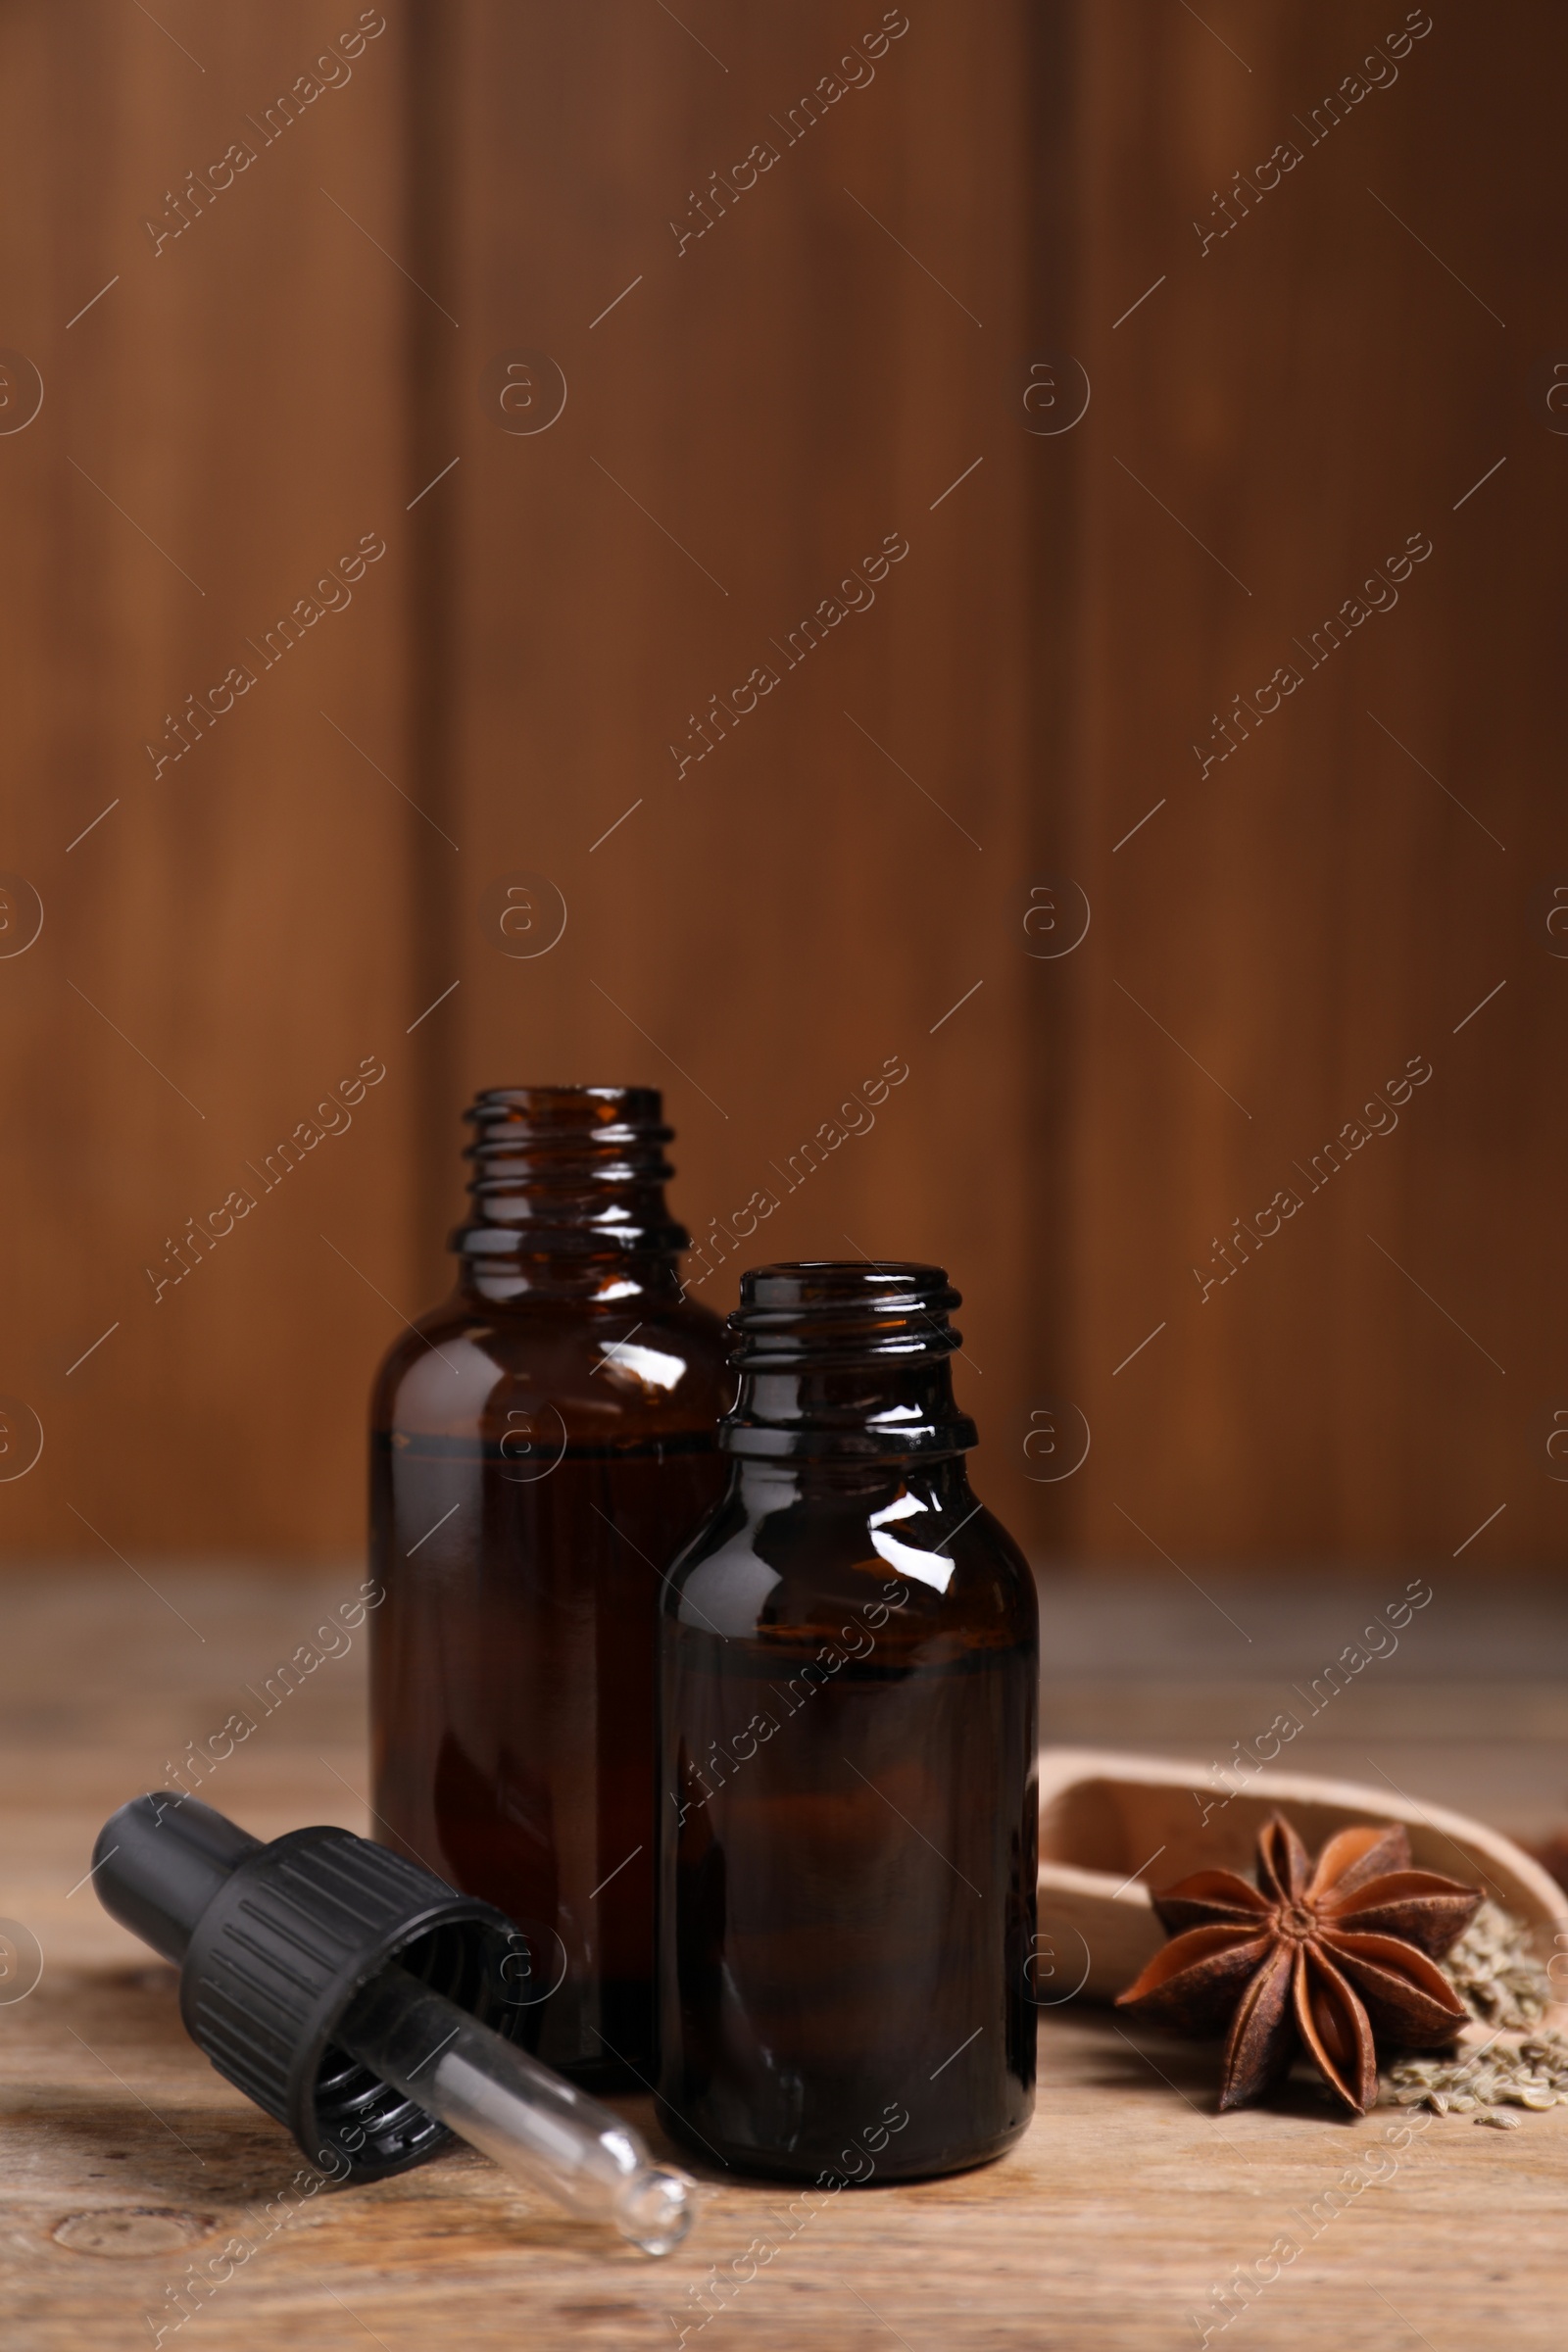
(565, 1173)
(845, 1361)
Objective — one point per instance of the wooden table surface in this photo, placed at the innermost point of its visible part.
(123, 2158)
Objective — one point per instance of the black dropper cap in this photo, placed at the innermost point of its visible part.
(273, 1943)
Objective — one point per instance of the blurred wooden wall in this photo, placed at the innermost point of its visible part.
(1291, 383)
(805, 396)
(634, 337)
(226, 935)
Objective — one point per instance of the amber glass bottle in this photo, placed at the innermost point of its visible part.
(541, 1446)
(849, 1664)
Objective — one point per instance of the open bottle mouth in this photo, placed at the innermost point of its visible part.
(567, 1169)
(845, 1358)
(842, 1310)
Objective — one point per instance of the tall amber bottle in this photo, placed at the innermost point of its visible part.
(542, 1445)
(848, 1663)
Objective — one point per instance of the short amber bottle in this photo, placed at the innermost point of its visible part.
(849, 1665)
(541, 1446)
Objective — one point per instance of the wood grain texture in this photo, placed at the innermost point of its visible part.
(1275, 413)
(762, 926)
(124, 2159)
(222, 936)
(763, 381)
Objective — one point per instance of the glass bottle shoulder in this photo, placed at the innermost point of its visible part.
(607, 1366)
(788, 1554)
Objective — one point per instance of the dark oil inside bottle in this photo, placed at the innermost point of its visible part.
(848, 1663)
(854, 1899)
(542, 1446)
(518, 1669)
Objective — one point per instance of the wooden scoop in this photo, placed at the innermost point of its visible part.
(1111, 1826)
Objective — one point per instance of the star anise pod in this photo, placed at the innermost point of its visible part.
(1320, 1956)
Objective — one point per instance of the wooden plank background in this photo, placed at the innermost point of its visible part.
(223, 425)
(756, 399)
(764, 926)
(1337, 370)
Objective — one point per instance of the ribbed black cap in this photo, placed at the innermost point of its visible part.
(275, 1940)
